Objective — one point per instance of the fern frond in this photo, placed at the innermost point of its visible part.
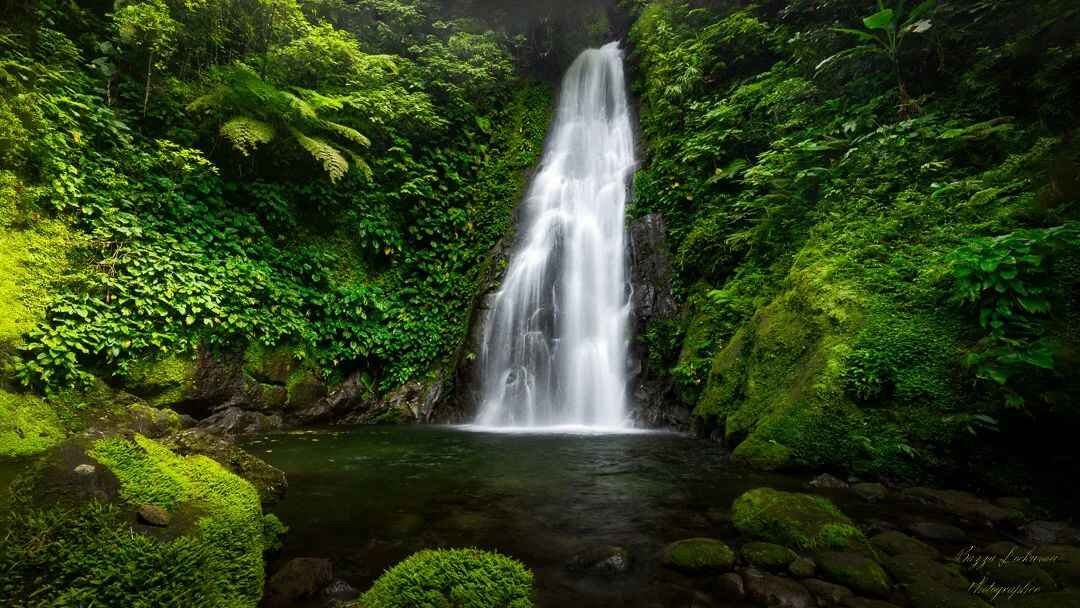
(246, 133)
(361, 165)
(348, 133)
(300, 107)
(324, 153)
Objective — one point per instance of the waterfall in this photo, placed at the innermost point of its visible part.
(555, 341)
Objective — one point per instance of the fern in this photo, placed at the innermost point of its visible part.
(246, 133)
(325, 154)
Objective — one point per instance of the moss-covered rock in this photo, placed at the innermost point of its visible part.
(463, 578)
(76, 539)
(768, 556)
(28, 425)
(853, 570)
(699, 555)
(911, 569)
(304, 389)
(799, 521)
(761, 454)
(892, 542)
(929, 595)
(162, 382)
(270, 365)
(1065, 564)
(269, 481)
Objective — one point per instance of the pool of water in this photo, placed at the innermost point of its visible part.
(368, 497)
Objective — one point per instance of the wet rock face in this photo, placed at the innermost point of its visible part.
(651, 299)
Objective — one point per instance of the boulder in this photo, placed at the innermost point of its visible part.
(799, 521)
(963, 504)
(730, 586)
(912, 569)
(937, 532)
(929, 595)
(893, 542)
(828, 481)
(768, 556)
(776, 591)
(870, 492)
(299, 578)
(233, 421)
(853, 570)
(698, 555)
(802, 567)
(608, 561)
(1049, 533)
(827, 594)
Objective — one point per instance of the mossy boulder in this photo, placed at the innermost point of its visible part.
(75, 537)
(798, 521)
(162, 382)
(28, 425)
(912, 569)
(699, 555)
(892, 542)
(269, 481)
(768, 556)
(853, 570)
(462, 578)
(1065, 564)
(270, 365)
(761, 454)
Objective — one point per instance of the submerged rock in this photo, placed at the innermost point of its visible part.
(800, 521)
(699, 555)
(853, 570)
(776, 591)
(607, 561)
(299, 578)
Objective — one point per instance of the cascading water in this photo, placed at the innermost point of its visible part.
(555, 343)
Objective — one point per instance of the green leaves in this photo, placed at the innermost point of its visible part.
(881, 20)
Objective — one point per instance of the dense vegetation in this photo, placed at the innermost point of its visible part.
(324, 177)
(874, 211)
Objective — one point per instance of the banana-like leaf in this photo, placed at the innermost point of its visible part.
(857, 33)
(880, 20)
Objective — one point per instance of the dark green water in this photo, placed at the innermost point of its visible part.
(368, 497)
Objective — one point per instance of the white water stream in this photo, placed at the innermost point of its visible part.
(555, 341)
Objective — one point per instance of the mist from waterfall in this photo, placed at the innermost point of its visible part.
(555, 343)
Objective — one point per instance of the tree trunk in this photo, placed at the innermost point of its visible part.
(146, 94)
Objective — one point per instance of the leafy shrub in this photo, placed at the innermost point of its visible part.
(455, 578)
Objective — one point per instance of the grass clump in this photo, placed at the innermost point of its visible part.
(453, 578)
(27, 425)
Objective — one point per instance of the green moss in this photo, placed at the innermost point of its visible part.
(86, 549)
(270, 365)
(699, 555)
(304, 389)
(273, 531)
(798, 521)
(765, 455)
(27, 425)
(858, 572)
(162, 382)
(768, 555)
(32, 259)
(458, 578)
